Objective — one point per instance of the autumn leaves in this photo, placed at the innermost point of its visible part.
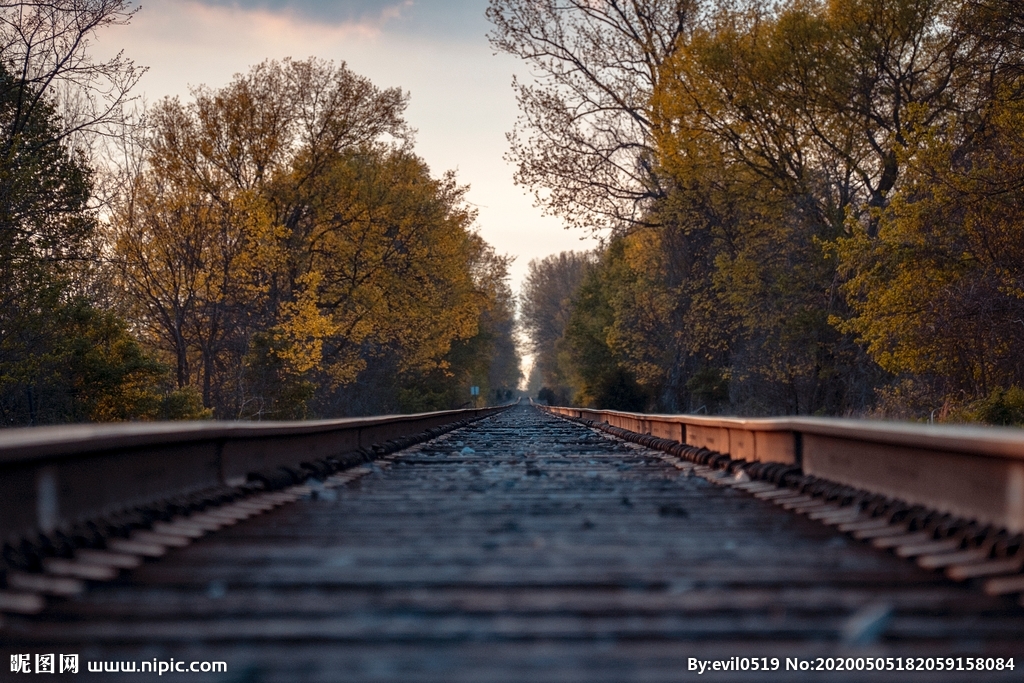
(281, 237)
(269, 249)
(829, 200)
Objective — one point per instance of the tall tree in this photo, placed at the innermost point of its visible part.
(798, 111)
(205, 230)
(488, 360)
(583, 141)
(775, 131)
(283, 244)
(937, 293)
(60, 358)
(45, 46)
(593, 364)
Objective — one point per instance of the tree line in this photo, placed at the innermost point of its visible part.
(810, 207)
(269, 249)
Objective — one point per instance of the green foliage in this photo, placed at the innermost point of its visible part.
(107, 374)
(275, 391)
(593, 365)
(709, 385)
(86, 366)
(62, 358)
(183, 404)
(45, 228)
(1000, 407)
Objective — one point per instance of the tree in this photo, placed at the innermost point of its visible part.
(45, 229)
(838, 209)
(937, 293)
(289, 254)
(818, 96)
(62, 358)
(545, 307)
(45, 46)
(593, 365)
(185, 263)
(386, 265)
(583, 142)
(206, 228)
(779, 128)
(488, 359)
(498, 324)
(45, 225)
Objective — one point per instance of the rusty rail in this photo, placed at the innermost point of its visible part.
(968, 471)
(55, 476)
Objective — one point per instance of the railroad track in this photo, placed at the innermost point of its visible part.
(526, 546)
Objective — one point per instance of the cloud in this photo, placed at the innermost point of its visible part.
(364, 12)
(459, 19)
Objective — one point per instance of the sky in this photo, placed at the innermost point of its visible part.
(461, 101)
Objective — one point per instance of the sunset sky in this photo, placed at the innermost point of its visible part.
(461, 100)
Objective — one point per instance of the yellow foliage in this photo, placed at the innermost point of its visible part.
(305, 326)
(271, 212)
(939, 291)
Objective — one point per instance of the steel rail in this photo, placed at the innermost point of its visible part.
(52, 477)
(968, 471)
(948, 498)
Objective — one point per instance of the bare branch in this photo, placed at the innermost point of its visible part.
(583, 140)
(45, 45)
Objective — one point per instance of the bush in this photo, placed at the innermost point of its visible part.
(1001, 407)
